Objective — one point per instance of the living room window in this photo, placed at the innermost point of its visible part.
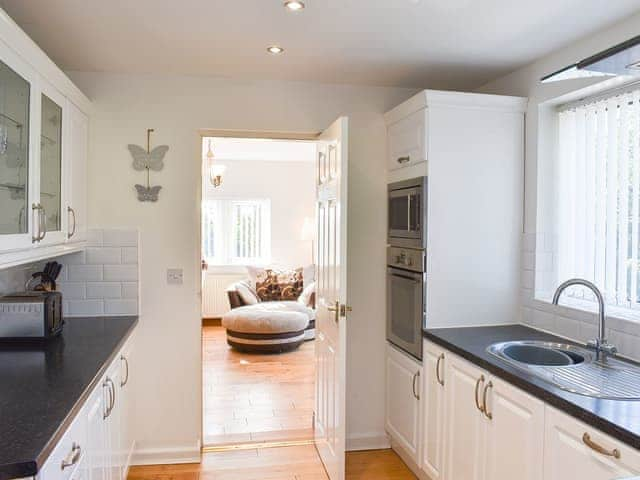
(598, 195)
(237, 231)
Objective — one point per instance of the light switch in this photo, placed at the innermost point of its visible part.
(174, 276)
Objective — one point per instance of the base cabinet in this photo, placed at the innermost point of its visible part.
(433, 400)
(403, 401)
(575, 450)
(93, 447)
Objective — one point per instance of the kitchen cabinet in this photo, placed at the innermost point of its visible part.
(43, 154)
(98, 443)
(464, 420)
(576, 450)
(407, 140)
(403, 401)
(433, 399)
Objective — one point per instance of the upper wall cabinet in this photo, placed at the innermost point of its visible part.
(43, 153)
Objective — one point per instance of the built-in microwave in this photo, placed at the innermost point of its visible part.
(407, 206)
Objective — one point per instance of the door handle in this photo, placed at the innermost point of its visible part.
(586, 439)
(336, 309)
(72, 458)
(35, 211)
(478, 382)
(486, 411)
(416, 376)
(124, 381)
(402, 160)
(42, 222)
(73, 215)
(438, 379)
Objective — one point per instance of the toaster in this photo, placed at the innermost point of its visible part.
(30, 316)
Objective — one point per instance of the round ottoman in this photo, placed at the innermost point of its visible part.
(268, 327)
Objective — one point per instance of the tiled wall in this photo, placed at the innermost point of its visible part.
(103, 279)
(570, 322)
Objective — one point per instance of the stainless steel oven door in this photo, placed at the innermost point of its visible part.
(405, 310)
(405, 206)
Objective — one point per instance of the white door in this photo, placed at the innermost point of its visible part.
(331, 292)
(403, 401)
(434, 410)
(76, 173)
(515, 433)
(575, 450)
(464, 423)
(97, 434)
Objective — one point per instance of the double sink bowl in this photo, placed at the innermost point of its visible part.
(572, 368)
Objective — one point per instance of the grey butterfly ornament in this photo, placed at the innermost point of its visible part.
(148, 194)
(143, 159)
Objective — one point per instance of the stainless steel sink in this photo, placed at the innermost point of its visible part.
(572, 368)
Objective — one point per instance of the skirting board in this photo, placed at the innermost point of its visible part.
(167, 455)
(374, 441)
(406, 458)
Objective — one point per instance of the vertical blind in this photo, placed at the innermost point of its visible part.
(599, 195)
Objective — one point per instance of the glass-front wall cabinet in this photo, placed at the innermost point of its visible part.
(14, 152)
(51, 165)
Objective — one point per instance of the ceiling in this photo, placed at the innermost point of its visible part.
(453, 44)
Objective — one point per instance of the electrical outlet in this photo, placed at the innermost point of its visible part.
(174, 276)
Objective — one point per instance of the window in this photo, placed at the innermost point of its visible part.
(598, 193)
(236, 231)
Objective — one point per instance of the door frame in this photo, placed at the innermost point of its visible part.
(225, 133)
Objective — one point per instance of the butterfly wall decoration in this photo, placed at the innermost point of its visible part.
(147, 160)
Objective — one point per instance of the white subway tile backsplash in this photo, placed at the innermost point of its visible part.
(72, 290)
(77, 258)
(566, 327)
(95, 237)
(120, 307)
(120, 238)
(86, 273)
(527, 279)
(528, 260)
(103, 255)
(529, 242)
(121, 273)
(85, 307)
(129, 255)
(104, 290)
(130, 290)
(543, 320)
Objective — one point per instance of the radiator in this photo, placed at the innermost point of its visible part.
(215, 302)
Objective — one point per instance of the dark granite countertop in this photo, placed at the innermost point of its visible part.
(618, 418)
(42, 387)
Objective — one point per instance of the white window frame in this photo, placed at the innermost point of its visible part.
(224, 237)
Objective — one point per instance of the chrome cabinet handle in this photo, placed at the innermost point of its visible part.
(107, 410)
(73, 215)
(586, 439)
(416, 394)
(35, 209)
(126, 364)
(113, 389)
(438, 378)
(478, 382)
(486, 411)
(72, 458)
(402, 160)
(43, 222)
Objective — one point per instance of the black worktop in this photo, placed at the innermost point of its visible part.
(43, 386)
(618, 418)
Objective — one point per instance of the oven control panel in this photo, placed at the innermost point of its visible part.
(407, 258)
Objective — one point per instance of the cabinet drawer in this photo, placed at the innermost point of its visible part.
(69, 453)
(407, 141)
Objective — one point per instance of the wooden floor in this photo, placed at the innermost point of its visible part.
(281, 463)
(255, 397)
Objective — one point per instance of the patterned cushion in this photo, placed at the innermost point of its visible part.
(275, 285)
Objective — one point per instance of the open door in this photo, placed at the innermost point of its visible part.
(331, 298)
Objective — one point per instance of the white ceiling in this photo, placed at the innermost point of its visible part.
(453, 44)
(258, 149)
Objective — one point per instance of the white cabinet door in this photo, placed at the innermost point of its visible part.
(114, 462)
(515, 433)
(407, 141)
(433, 395)
(126, 407)
(96, 455)
(464, 422)
(569, 454)
(76, 173)
(403, 401)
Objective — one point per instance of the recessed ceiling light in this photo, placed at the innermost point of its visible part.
(275, 50)
(294, 5)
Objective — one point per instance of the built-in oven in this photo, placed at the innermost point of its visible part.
(406, 298)
(407, 202)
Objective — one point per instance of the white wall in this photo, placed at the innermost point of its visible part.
(291, 188)
(525, 82)
(169, 392)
